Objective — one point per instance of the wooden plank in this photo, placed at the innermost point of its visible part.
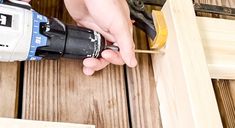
(223, 88)
(144, 106)
(218, 41)
(59, 91)
(9, 84)
(226, 105)
(13, 123)
(219, 44)
(184, 87)
(232, 89)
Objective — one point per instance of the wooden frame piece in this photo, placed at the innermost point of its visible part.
(16, 123)
(184, 87)
(219, 45)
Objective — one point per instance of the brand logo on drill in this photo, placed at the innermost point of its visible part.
(5, 20)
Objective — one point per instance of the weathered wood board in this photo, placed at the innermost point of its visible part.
(232, 90)
(144, 106)
(228, 3)
(225, 102)
(9, 84)
(59, 91)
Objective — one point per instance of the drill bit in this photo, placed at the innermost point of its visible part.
(146, 51)
(116, 48)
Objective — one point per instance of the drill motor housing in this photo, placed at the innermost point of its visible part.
(28, 35)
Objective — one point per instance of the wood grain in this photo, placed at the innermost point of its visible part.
(144, 106)
(226, 104)
(184, 88)
(225, 91)
(232, 90)
(59, 91)
(219, 45)
(13, 123)
(9, 84)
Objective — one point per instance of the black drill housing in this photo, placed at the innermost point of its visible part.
(69, 41)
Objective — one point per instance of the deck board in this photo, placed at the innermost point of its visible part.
(144, 106)
(9, 84)
(59, 91)
(225, 101)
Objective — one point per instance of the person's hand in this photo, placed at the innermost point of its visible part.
(26, 1)
(112, 19)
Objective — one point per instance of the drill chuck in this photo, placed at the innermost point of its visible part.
(83, 43)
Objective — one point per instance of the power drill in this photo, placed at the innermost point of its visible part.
(28, 35)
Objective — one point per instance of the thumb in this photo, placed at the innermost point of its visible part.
(126, 44)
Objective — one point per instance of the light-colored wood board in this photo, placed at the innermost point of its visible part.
(59, 91)
(184, 88)
(217, 35)
(13, 123)
(222, 86)
(144, 106)
(219, 44)
(226, 105)
(9, 84)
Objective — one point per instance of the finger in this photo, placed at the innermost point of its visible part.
(131, 28)
(88, 71)
(26, 1)
(95, 64)
(123, 33)
(80, 25)
(126, 44)
(119, 28)
(88, 22)
(125, 7)
(112, 57)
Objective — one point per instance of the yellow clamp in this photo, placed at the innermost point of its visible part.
(161, 30)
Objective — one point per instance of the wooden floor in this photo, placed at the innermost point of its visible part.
(116, 97)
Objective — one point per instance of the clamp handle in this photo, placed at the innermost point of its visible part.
(161, 27)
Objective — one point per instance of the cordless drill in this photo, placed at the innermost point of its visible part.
(28, 35)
